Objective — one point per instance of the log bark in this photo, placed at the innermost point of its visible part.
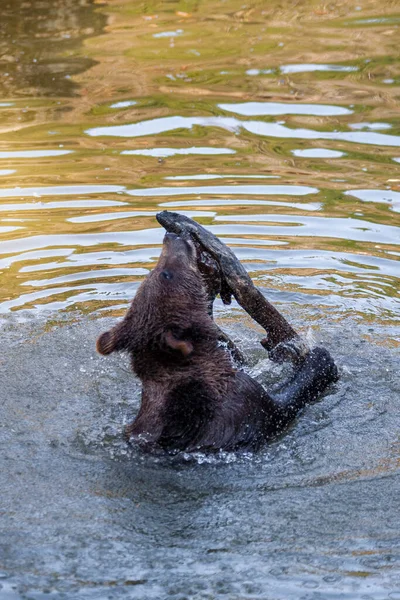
(282, 341)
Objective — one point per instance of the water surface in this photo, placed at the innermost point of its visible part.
(276, 125)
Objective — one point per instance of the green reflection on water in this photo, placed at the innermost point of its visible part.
(70, 63)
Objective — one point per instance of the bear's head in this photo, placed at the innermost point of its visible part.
(169, 316)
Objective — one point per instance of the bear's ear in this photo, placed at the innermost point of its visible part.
(106, 343)
(113, 340)
(185, 347)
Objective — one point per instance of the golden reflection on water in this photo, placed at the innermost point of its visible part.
(293, 108)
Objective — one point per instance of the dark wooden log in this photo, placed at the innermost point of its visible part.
(211, 272)
(282, 341)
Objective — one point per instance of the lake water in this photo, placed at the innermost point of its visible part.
(276, 125)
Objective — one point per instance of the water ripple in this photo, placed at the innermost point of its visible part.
(389, 197)
(74, 204)
(215, 176)
(165, 124)
(165, 152)
(61, 190)
(162, 125)
(249, 109)
(123, 104)
(349, 229)
(33, 153)
(130, 214)
(280, 131)
(229, 202)
(318, 153)
(292, 190)
(309, 67)
(123, 238)
(85, 275)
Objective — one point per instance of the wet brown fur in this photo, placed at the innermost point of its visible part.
(193, 397)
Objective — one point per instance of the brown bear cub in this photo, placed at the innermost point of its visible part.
(194, 396)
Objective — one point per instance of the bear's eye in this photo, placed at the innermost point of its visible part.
(166, 275)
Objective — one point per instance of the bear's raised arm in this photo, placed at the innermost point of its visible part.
(282, 341)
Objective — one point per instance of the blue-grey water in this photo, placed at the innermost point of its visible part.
(276, 125)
